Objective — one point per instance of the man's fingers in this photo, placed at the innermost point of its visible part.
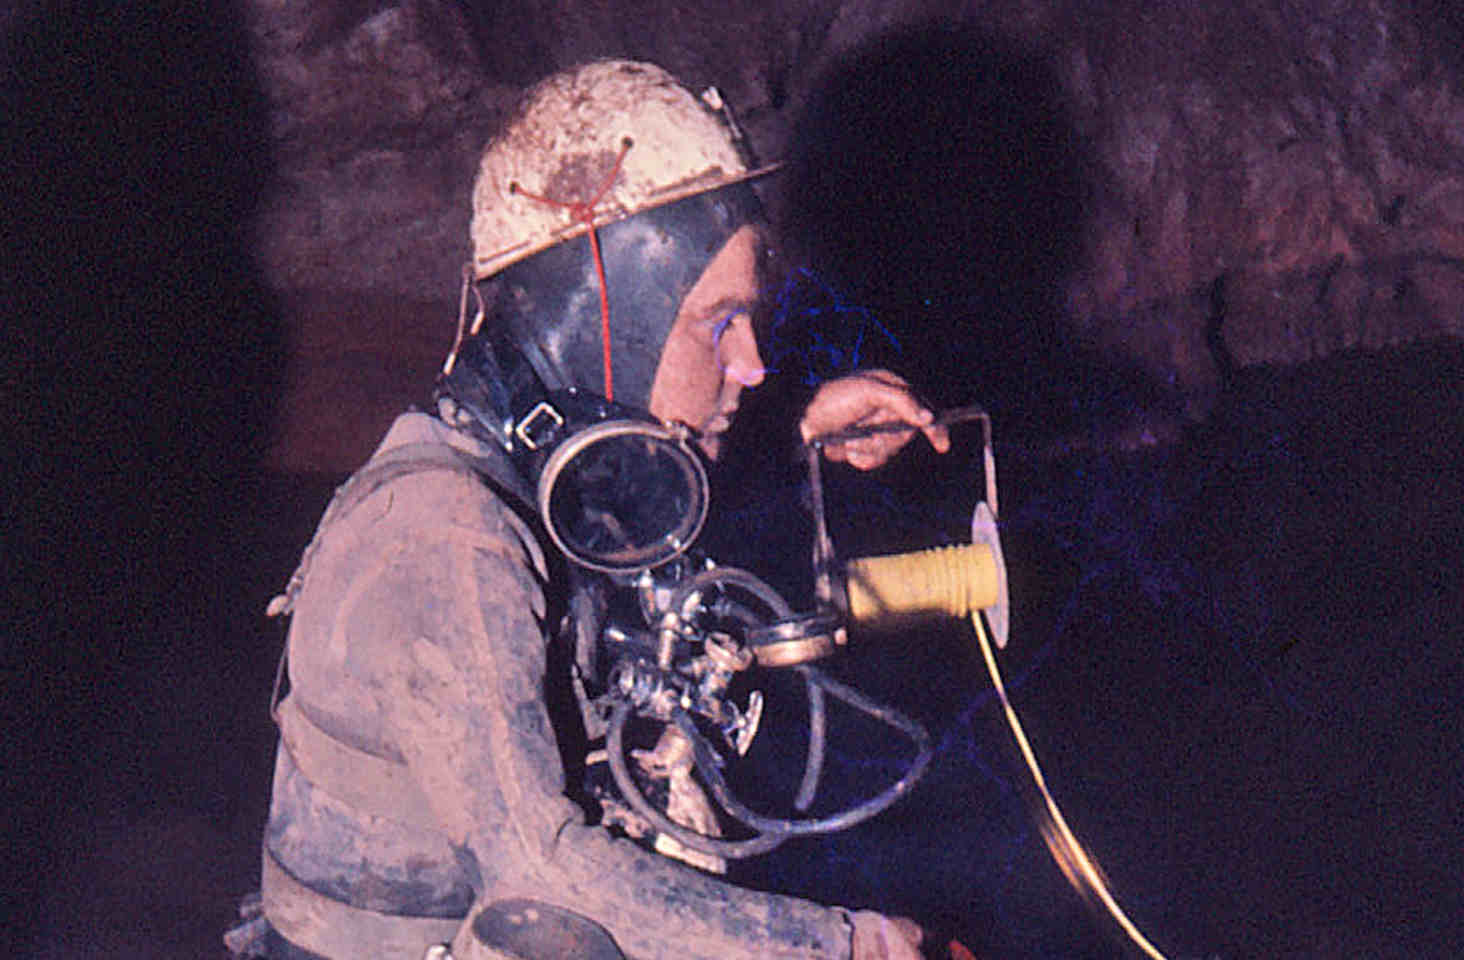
(876, 450)
(909, 929)
(887, 402)
(939, 437)
(866, 453)
(870, 398)
(878, 937)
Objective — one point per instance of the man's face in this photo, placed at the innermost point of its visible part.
(711, 353)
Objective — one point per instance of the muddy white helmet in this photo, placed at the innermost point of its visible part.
(594, 212)
(604, 141)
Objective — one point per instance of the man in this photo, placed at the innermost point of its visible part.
(420, 793)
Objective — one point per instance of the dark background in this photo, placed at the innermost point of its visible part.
(1236, 652)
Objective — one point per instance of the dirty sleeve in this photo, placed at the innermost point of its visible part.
(463, 697)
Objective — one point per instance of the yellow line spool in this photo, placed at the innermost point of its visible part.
(954, 581)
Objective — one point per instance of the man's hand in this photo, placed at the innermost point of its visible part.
(878, 937)
(862, 399)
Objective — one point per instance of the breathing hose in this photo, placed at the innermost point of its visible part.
(615, 753)
(771, 831)
(706, 765)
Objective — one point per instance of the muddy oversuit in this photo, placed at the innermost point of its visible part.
(419, 778)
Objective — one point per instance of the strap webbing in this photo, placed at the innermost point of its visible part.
(340, 931)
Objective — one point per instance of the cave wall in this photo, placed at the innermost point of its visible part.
(1267, 181)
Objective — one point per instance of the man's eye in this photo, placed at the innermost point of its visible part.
(724, 323)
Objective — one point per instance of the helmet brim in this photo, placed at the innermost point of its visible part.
(491, 264)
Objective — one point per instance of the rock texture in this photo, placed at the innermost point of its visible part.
(1289, 172)
(379, 113)
(1265, 181)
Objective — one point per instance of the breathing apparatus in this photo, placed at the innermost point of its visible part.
(701, 631)
(594, 213)
(604, 199)
(675, 641)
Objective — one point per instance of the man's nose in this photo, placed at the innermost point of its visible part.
(738, 353)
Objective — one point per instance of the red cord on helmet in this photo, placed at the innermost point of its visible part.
(584, 212)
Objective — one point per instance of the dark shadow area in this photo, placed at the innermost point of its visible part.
(934, 182)
(142, 358)
(1234, 659)
(1442, 25)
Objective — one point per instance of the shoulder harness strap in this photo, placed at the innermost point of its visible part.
(406, 460)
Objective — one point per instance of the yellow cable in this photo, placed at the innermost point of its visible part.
(1061, 842)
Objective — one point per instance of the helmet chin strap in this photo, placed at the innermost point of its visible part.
(583, 211)
(462, 324)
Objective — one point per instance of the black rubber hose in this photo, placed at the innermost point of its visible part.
(731, 849)
(817, 742)
(771, 831)
(706, 765)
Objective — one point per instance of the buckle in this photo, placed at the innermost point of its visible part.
(539, 426)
